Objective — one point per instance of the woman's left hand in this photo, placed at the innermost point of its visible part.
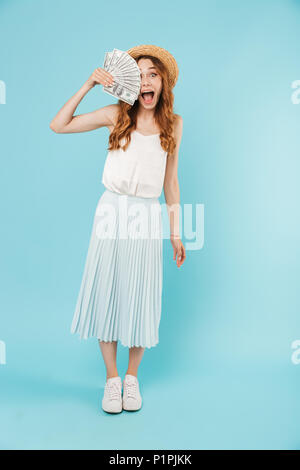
(179, 250)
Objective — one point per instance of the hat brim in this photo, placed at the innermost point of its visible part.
(162, 54)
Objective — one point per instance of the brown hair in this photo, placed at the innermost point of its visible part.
(163, 115)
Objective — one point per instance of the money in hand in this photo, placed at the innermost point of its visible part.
(126, 74)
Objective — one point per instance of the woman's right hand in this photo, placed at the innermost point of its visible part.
(100, 77)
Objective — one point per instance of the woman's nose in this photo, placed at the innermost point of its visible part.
(144, 80)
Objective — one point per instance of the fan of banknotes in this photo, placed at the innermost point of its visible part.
(126, 74)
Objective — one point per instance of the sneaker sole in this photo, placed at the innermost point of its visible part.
(112, 412)
(131, 409)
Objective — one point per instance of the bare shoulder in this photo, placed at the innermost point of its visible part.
(178, 125)
(178, 118)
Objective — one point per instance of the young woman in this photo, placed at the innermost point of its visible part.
(121, 289)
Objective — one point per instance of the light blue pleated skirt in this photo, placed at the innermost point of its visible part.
(121, 289)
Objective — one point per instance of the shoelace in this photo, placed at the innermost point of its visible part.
(113, 390)
(131, 389)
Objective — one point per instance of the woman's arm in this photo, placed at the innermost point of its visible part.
(172, 195)
(171, 184)
(66, 122)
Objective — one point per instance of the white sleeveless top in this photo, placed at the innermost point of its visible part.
(140, 170)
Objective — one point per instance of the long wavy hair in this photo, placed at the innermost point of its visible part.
(163, 115)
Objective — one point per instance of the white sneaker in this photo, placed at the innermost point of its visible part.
(112, 399)
(132, 399)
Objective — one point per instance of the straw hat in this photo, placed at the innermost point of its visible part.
(162, 54)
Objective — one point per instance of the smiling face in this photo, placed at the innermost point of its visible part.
(151, 81)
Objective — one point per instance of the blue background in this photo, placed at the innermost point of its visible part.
(223, 374)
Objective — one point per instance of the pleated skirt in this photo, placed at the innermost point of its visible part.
(121, 289)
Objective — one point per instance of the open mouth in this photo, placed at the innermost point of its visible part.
(148, 97)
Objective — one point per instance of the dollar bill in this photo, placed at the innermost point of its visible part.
(121, 92)
(126, 74)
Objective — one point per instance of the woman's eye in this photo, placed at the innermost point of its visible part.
(153, 73)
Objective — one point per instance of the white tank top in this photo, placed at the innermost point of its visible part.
(140, 170)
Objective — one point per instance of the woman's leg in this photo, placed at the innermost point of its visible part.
(135, 357)
(109, 353)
